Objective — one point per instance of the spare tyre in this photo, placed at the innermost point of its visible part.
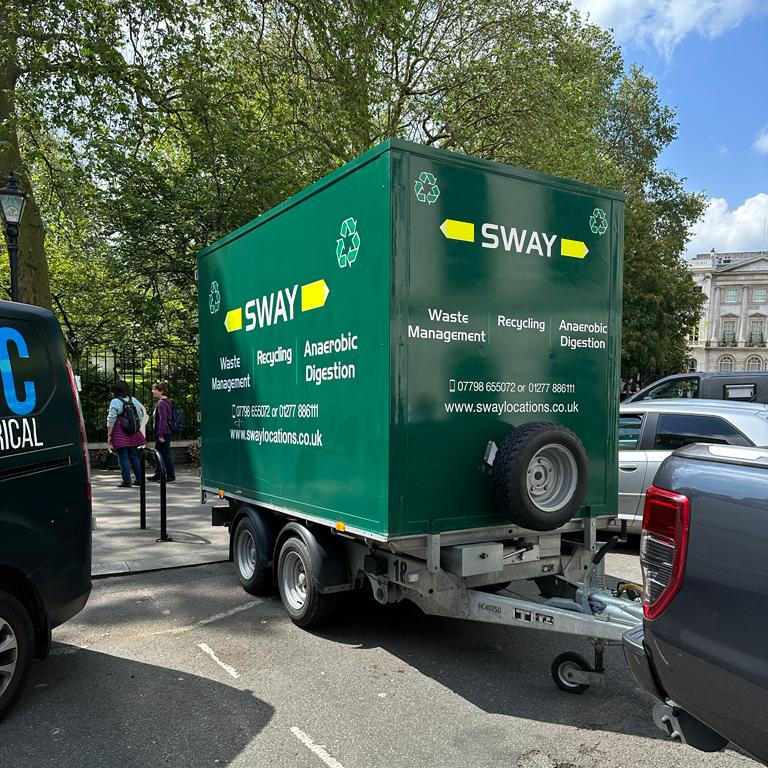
(540, 475)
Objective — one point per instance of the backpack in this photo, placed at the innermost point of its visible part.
(176, 422)
(130, 422)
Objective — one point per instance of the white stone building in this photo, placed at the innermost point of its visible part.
(733, 330)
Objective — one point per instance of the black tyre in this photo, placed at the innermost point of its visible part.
(17, 640)
(250, 556)
(299, 591)
(540, 475)
(565, 663)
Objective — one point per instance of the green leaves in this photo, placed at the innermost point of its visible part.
(150, 128)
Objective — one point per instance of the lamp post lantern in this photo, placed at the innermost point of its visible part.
(12, 200)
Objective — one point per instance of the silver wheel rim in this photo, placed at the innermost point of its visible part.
(245, 552)
(564, 669)
(294, 581)
(9, 654)
(552, 477)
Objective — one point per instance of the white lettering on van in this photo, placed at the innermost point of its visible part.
(18, 434)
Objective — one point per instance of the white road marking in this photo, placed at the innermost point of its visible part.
(229, 670)
(211, 619)
(318, 749)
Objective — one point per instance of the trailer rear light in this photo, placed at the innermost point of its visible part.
(663, 547)
(81, 422)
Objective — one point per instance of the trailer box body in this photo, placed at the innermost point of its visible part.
(364, 342)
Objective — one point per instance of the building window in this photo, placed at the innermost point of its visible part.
(694, 337)
(759, 295)
(731, 296)
(754, 363)
(757, 333)
(729, 333)
(693, 365)
(725, 363)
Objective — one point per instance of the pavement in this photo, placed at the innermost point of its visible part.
(121, 547)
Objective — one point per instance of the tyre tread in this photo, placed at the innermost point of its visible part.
(14, 612)
(506, 471)
(319, 608)
(261, 581)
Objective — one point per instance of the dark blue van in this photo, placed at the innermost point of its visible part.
(45, 493)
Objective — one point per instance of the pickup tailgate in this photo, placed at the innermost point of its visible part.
(708, 647)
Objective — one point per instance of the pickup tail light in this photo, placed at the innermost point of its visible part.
(84, 439)
(663, 546)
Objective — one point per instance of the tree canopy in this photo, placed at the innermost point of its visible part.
(147, 130)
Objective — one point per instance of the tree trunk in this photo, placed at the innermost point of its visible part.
(34, 286)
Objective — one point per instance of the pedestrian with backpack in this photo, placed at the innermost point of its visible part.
(124, 434)
(163, 419)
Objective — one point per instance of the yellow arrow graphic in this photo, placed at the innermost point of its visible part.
(458, 230)
(234, 320)
(573, 248)
(313, 295)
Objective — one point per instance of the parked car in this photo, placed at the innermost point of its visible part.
(743, 386)
(650, 430)
(45, 493)
(701, 651)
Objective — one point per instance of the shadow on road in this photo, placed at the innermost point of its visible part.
(83, 708)
(501, 670)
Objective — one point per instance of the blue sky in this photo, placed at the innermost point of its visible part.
(710, 58)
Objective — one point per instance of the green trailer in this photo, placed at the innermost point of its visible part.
(408, 379)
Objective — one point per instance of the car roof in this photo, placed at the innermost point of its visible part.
(695, 405)
(726, 374)
(708, 375)
(745, 376)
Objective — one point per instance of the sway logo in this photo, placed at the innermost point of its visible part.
(277, 307)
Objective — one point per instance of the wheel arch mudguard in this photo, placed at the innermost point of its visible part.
(23, 589)
(267, 528)
(327, 555)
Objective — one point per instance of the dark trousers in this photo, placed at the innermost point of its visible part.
(127, 458)
(165, 452)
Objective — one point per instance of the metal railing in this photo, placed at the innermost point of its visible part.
(99, 367)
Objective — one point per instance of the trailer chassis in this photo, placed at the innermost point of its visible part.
(602, 615)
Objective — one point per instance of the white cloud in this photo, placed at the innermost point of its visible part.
(742, 229)
(664, 23)
(761, 142)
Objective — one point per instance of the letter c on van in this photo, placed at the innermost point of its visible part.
(19, 407)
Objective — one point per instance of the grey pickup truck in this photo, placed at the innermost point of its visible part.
(702, 651)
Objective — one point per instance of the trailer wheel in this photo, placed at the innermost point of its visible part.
(299, 590)
(563, 665)
(250, 563)
(17, 639)
(540, 475)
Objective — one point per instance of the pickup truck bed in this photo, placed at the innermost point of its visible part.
(704, 657)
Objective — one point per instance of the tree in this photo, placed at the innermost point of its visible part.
(151, 129)
(33, 282)
(661, 305)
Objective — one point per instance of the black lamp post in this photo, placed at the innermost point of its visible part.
(12, 201)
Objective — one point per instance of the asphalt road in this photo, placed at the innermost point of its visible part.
(182, 668)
